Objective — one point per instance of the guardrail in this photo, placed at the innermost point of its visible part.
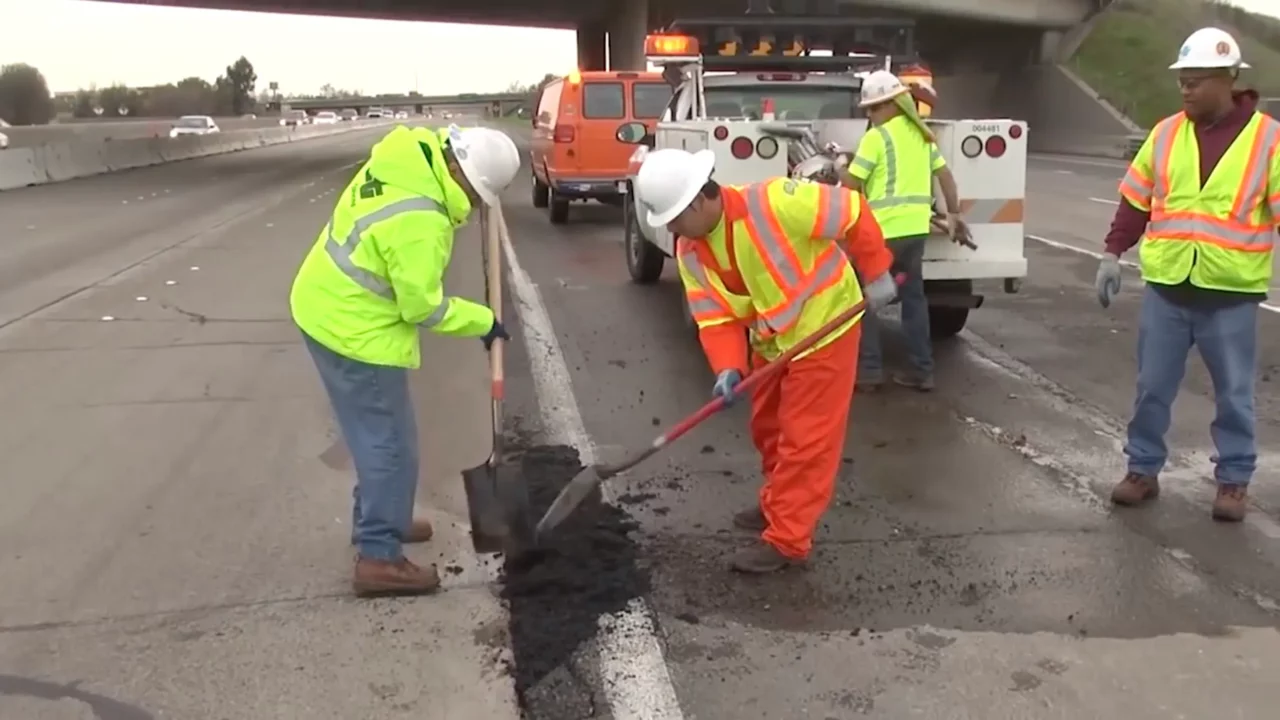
(58, 161)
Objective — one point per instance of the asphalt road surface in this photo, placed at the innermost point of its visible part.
(174, 533)
(27, 136)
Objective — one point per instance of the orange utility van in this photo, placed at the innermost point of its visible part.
(575, 152)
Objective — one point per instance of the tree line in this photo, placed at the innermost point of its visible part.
(25, 98)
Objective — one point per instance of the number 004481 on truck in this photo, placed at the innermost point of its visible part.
(769, 111)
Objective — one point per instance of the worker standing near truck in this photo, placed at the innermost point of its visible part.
(371, 281)
(894, 166)
(767, 258)
(1203, 196)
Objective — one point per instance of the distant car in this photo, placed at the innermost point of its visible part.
(325, 117)
(375, 114)
(402, 115)
(294, 118)
(194, 125)
(349, 115)
(4, 141)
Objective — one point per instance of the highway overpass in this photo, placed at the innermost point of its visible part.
(492, 104)
(991, 57)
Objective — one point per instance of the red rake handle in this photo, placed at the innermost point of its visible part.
(751, 380)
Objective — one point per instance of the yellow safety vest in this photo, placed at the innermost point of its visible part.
(1220, 236)
(782, 236)
(375, 274)
(896, 165)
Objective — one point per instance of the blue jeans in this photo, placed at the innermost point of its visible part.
(908, 257)
(1227, 337)
(375, 413)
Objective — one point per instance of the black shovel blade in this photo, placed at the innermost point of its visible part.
(488, 521)
(498, 503)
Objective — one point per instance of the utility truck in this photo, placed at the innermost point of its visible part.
(753, 90)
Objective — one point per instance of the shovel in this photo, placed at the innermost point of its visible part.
(589, 478)
(497, 499)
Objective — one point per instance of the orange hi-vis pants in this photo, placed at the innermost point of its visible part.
(798, 422)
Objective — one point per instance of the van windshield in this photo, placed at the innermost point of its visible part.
(649, 99)
(603, 101)
(798, 101)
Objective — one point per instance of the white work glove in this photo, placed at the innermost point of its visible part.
(880, 292)
(1108, 281)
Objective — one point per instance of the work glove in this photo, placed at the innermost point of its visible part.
(1108, 281)
(496, 331)
(882, 291)
(726, 383)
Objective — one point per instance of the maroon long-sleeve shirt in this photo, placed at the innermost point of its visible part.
(1130, 223)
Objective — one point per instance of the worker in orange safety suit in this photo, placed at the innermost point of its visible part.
(773, 259)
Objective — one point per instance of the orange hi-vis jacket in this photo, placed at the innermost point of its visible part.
(1219, 235)
(778, 262)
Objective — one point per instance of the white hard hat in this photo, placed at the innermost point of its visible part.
(1209, 48)
(488, 158)
(669, 180)
(881, 86)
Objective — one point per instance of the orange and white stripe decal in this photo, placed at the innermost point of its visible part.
(992, 211)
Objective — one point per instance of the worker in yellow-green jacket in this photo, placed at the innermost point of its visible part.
(894, 168)
(371, 281)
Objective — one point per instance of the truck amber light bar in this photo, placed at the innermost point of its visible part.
(671, 45)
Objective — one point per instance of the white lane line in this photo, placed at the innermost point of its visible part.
(1094, 162)
(1127, 263)
(636, 680)
(1104, 201)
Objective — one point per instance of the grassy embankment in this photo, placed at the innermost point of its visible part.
(1126, 57)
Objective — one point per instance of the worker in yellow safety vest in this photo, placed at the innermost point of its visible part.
(1203, 196)
(895, 164)
(773, 258)
(371, 281)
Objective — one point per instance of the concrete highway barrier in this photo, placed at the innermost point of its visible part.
(73, 158)
(103, 130)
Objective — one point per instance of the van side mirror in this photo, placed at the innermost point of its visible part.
(632, 133)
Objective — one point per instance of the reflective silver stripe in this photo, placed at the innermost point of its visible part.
(695, 268)
(891, 197)
(773, 246)
(829, 269)
(438, 315)
(1201, 228)
(838, 202)
(934, 156)
(1134, 184)
(1256, 183)
(864, 164)
(341, 253)
(1160, 157)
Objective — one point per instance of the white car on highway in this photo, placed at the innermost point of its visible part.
(325, 117)
(194, 125)
(4, 141)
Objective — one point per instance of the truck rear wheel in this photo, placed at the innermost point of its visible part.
(559, 208)
(946, 322)
(644, 259)
(541, 193)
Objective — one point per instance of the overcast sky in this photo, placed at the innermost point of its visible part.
(77, 43)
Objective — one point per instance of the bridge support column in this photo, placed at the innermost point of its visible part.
(626, 36)
(1051, 45)
(591, 47)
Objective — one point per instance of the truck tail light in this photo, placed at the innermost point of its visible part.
(996, 146)
(564, 134)
(742, 147)
(1015, 131)
(721, 132)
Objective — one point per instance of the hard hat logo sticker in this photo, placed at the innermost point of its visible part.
(1223, 48)
(1185, 51)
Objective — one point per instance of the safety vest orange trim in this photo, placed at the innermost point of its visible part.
(1236, 232)
(835, 213)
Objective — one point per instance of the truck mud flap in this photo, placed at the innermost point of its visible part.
(955, 300)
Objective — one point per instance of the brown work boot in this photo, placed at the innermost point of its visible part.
(922, 382)
(759, 559)
(751, 519)
(1135, 489)
(1231, 503)
(420, 531)
(374, 578)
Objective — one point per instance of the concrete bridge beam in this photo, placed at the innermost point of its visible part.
(626, 36)
(591, 46)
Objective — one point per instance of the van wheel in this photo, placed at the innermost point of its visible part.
(644, 259)
(540, 193)
(946, 322)
(559, 208)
